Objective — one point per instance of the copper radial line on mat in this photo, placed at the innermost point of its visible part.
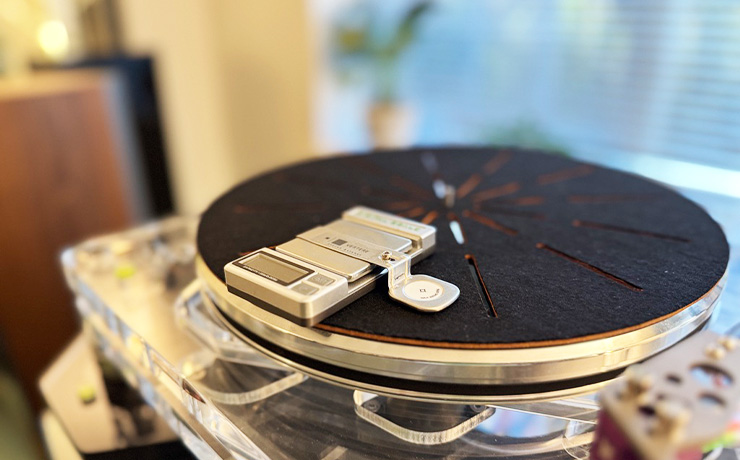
(490, 223)
(414, 212)
(459, 234)
(411, 187)
(565, 174)
(430, 217)
(497, 162)
(590, 267)
(493, 165)
(469, 185)
(598, 199)
(400, 205)
(495, 192)
(522, 201)
(485, 296)
(633, 231)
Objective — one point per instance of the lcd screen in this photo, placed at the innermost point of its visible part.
(275, 269)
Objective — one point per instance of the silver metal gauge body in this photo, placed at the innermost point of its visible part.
(324, 269)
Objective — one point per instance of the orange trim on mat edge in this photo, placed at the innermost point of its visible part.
(489, 346)
(503, 346)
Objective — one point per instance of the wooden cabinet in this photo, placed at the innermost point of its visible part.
(63, 178)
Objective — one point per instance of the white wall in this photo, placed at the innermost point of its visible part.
(234, 79)
(267, 58)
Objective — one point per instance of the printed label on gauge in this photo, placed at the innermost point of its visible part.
(422, 290)
(348, 245)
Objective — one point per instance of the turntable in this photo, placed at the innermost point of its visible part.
(568, 273)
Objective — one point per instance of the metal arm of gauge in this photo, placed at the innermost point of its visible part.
(423, 292)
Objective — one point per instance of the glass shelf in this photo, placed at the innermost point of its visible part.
(141, 305)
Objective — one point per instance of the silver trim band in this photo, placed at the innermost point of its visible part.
(508, 366)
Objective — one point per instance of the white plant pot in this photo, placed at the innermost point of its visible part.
(391, 125)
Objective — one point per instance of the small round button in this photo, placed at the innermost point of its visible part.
(321, 279)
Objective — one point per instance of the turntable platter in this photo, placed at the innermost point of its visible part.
(567, 270)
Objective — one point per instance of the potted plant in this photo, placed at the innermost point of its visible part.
(360, 49)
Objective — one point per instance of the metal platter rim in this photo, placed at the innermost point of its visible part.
(395, 392)
(466, 366)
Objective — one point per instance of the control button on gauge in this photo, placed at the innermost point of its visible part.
(321, 280)
(305, 289)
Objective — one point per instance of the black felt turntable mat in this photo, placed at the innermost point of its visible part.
(565, 250)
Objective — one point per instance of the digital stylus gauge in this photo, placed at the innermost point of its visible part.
(286, 286)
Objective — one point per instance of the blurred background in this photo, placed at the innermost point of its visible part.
(114, 112)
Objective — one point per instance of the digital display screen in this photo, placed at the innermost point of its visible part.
(278, 270)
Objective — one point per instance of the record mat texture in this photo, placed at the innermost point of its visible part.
(545, 249)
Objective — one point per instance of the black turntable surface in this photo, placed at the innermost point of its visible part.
(546, 250)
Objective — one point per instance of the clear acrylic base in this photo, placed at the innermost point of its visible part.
(141, 305)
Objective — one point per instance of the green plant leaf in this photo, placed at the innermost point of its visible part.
(407, 29)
